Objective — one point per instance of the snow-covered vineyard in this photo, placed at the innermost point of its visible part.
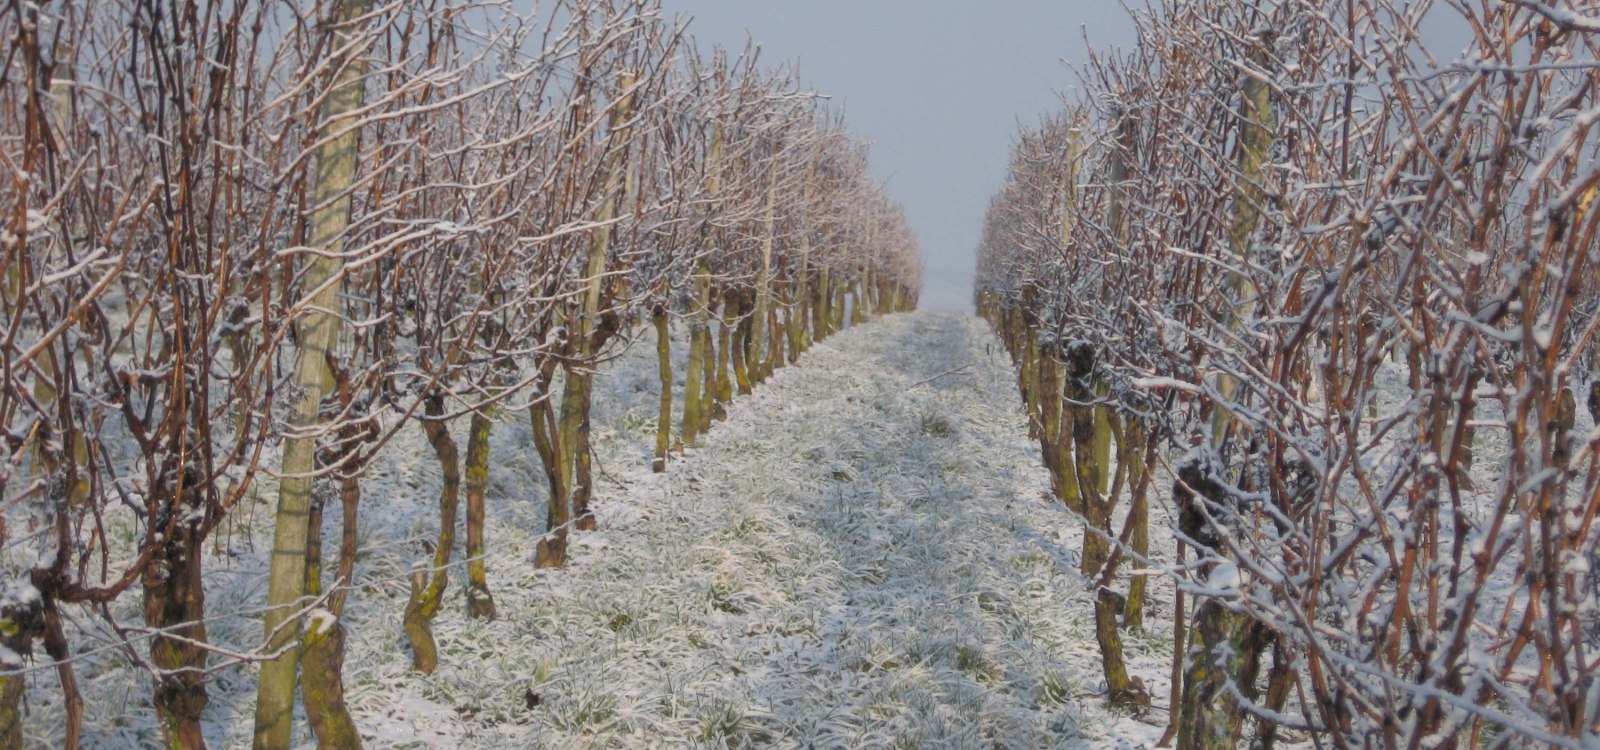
(865, 554)
(1343, 257)
(448, 373)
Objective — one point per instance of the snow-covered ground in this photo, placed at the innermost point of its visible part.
(865, 554)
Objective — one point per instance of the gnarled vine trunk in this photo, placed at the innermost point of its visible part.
(428, 584)
(322, 640)
(174, 603)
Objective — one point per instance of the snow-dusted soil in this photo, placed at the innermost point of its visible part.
(853, 559)
(865, 554)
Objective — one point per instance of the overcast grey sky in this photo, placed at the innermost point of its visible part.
(938, 86)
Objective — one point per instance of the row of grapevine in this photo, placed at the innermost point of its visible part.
(247, 243)
(1328, 269)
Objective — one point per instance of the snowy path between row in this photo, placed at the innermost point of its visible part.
(862, 555)
(865, 554)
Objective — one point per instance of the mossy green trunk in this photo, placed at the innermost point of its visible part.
(1224, 645)
(579, 393)
(11, 689)
(1225, 648)
(322, 655)
(1066, 462)
(1050, 415)
(427, 591)
(1096, 510)
(569, 416)
(571, 420)
(21, 621)
(480, 603)
(820, 298)
(1102, 441)
(1120, 689)
(740, 343)
(695, 377)
(717, 375)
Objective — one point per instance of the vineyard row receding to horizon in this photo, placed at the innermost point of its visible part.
(1334, 279)
(247, 243)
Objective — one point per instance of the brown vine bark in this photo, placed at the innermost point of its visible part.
(174, 603)
(658, 317)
